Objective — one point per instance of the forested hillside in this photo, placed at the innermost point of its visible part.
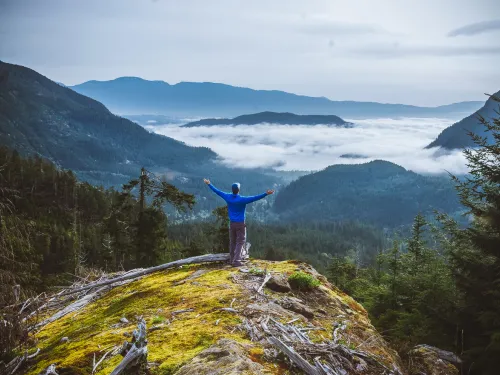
(378, 192)
(457, 135)
(41, 117)
(436, 286)
(315, 244)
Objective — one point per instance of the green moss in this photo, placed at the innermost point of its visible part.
(93, 331)
(303, 281)
(96, 329)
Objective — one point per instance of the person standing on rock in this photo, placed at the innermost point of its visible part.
(236, 205)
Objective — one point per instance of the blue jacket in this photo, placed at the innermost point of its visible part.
(236, 203)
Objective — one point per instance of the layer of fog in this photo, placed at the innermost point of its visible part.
(287, 147)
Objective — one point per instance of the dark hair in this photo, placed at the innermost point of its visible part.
(235, 190)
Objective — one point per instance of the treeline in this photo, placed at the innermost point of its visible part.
(52, 225)
(314, 243)
(444, 291)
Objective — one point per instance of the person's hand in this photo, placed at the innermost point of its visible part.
(269, 192)
(207, 181)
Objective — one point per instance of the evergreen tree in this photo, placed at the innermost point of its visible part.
(221, 230)
(476, 259)
(151, 234)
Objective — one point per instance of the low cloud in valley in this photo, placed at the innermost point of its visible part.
(284, 147)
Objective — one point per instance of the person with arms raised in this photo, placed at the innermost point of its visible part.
(236, 205)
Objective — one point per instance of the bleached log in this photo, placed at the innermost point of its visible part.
(193, 260)
(75, 306)
(295, 357)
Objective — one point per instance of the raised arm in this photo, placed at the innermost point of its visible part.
(215, 190)
(256, 197)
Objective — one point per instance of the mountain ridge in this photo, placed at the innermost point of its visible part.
(135, 96)
(456, 137)
(281, 118)
(40, 117)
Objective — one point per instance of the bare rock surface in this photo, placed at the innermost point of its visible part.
(226, 357)
(428, 360)
(296, 305)
(278, 283)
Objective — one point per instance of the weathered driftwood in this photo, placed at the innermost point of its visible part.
(51, 370)
(137, 352)
(266, 279)
(96, 365)
(294, 357)
(75, 306)
(14, 365)
(229, 309)
(193, 260)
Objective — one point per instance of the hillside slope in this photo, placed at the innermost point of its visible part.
(39, 116)
(378, 192)
(189, 332)
(132, 95)
(272, 118)
(456, 135)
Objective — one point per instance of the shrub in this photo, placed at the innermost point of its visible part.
(302, 281)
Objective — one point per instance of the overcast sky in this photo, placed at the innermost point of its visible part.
(423, 52)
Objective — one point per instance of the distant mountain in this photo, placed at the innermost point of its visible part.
(41, 117)
(456, 136)
(131, 95)
(378, 192)
(272, 118)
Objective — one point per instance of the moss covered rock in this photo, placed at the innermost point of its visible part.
(198, 318)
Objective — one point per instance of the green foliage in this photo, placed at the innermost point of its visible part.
(53, 227)
(409, 291)
(303, 281)
(313, 243)
(378, 192)
(475, 251)
(256, 271)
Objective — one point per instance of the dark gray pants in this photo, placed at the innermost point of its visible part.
(237, 239)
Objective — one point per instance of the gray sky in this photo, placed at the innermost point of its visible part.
(423, 52)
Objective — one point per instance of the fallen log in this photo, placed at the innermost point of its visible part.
(295, 357)
(193, 260)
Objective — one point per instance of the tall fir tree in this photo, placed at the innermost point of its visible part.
(476, 258)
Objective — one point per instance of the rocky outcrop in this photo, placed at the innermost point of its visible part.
(428, 360)
(212, 319)
(226, 357)
(278, 283)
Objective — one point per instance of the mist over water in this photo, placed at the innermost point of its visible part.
(302, 147)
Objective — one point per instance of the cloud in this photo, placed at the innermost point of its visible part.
(287, 147)
(325, 26)
(396, 50)
(476, 28)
